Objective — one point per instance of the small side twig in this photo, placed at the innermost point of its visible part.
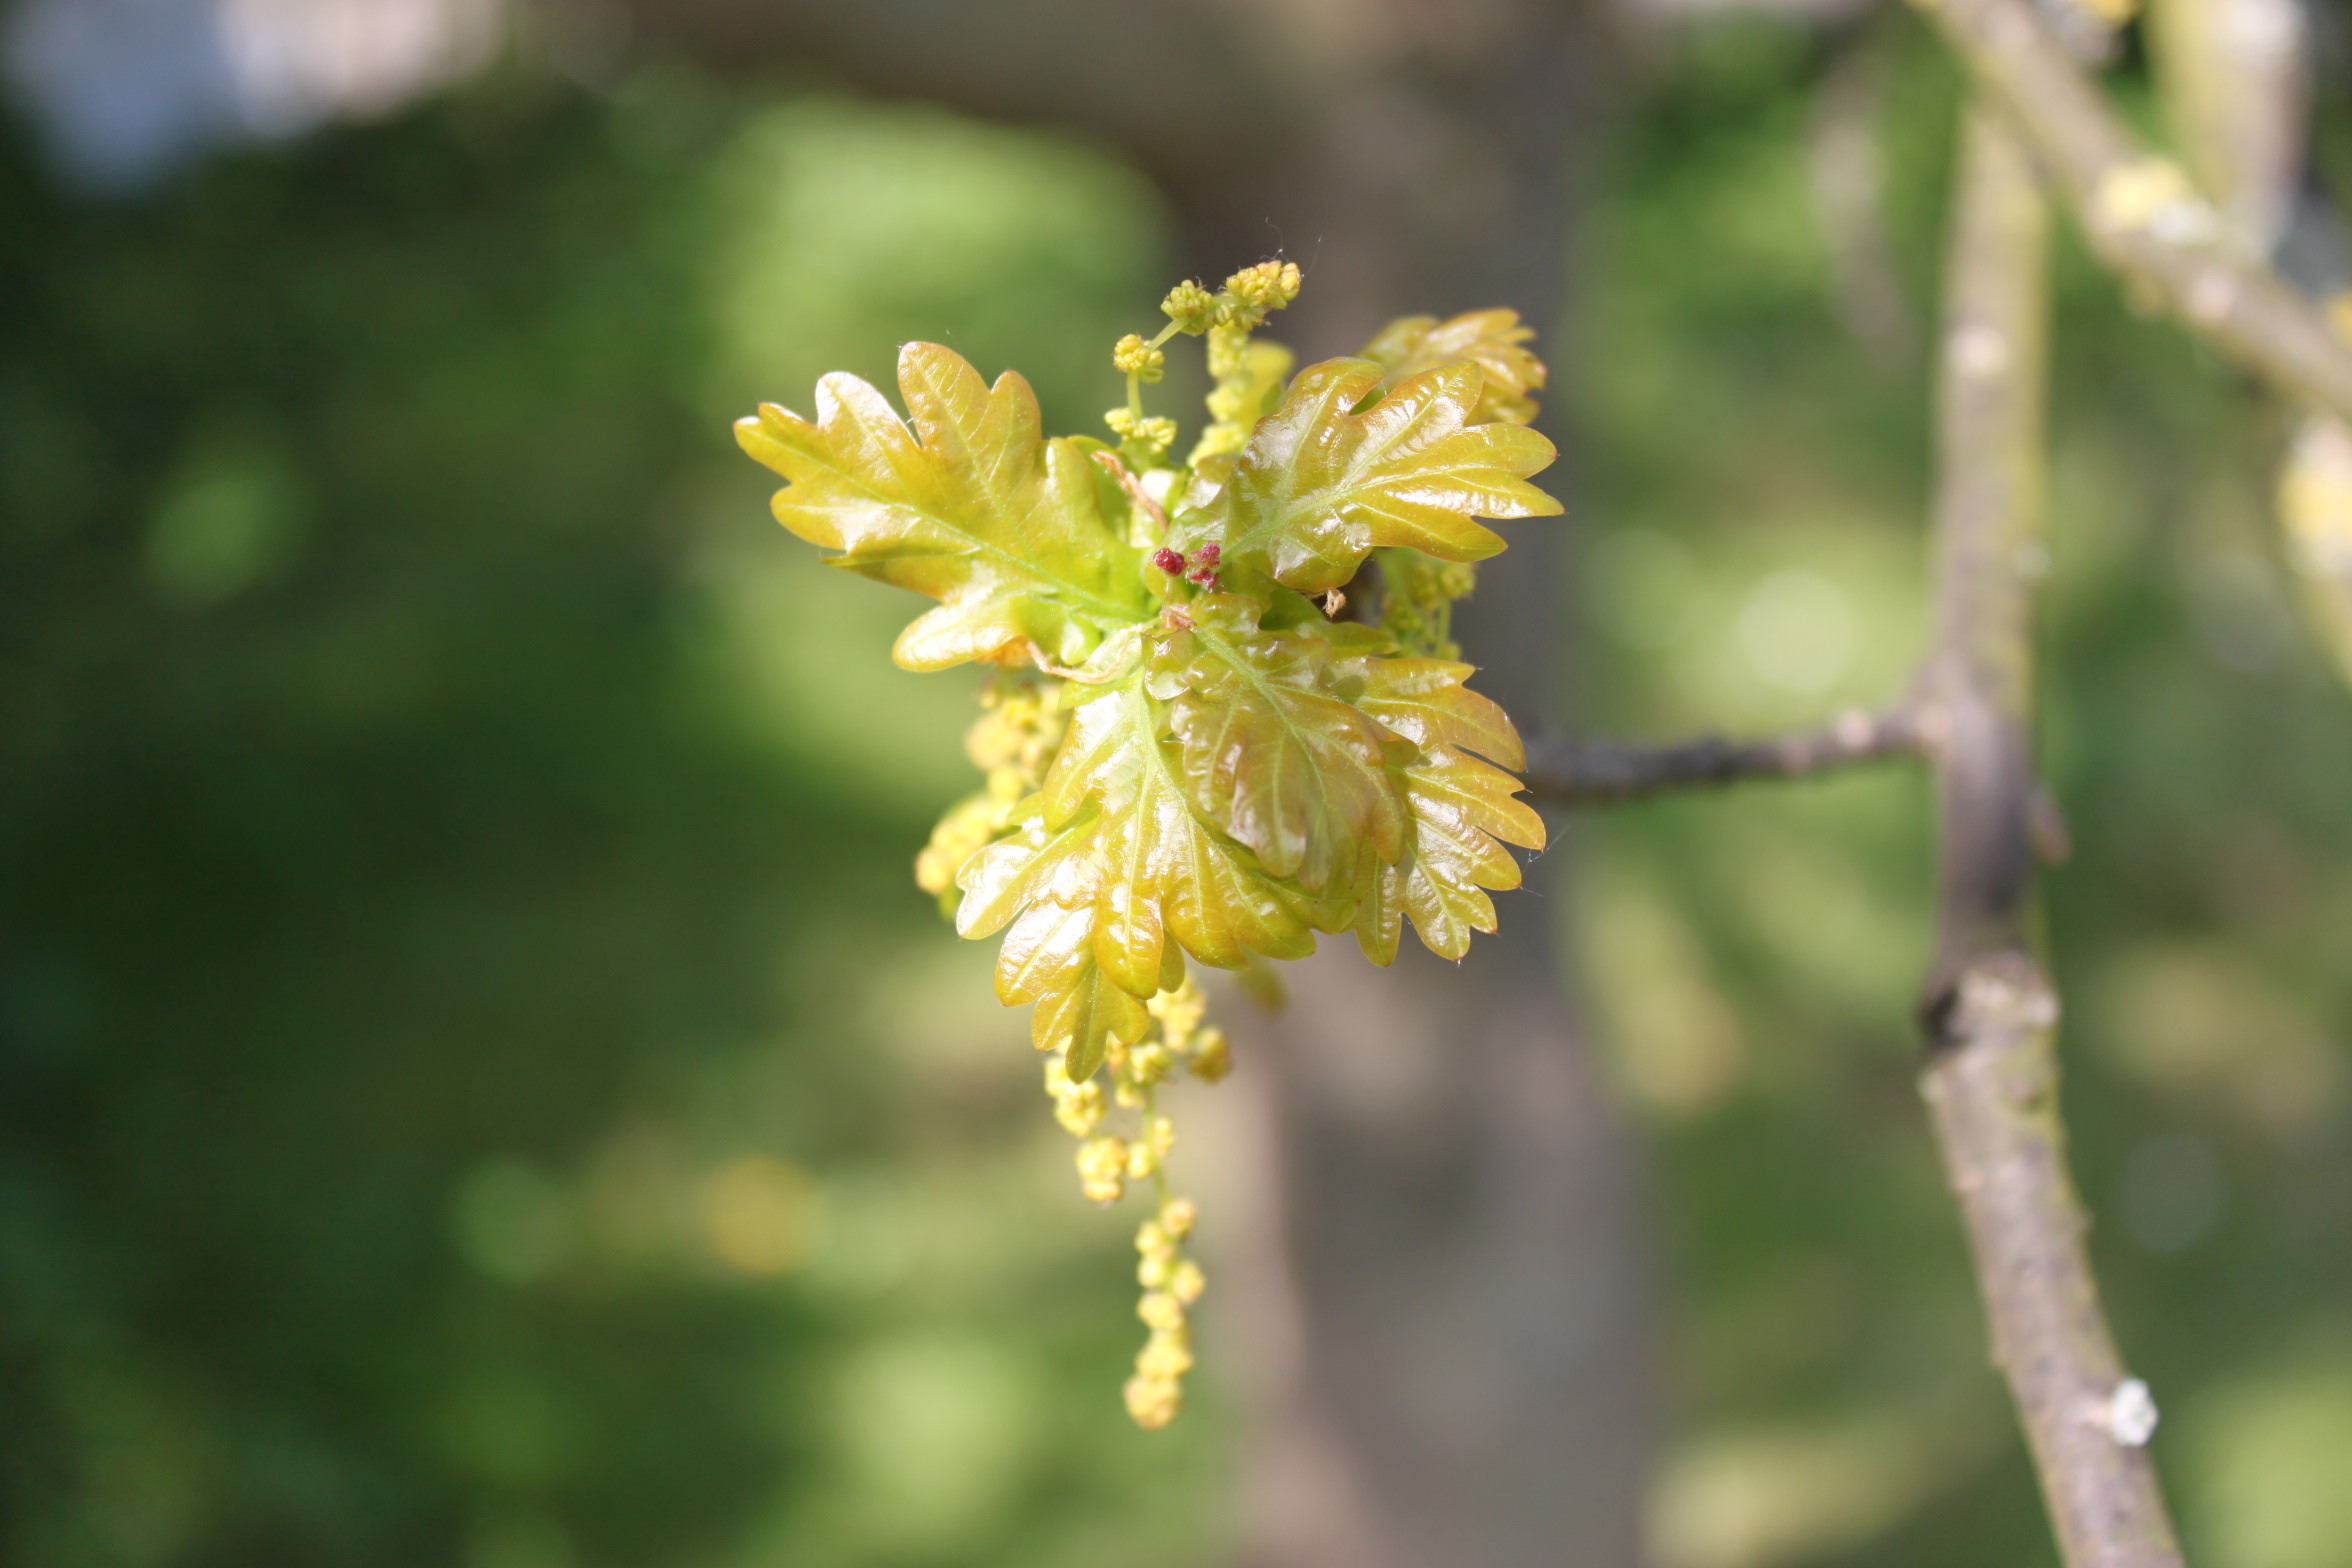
(1564, 772)
(2139, 211)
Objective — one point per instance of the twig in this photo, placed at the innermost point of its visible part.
(1991, 1081)
(2138, 210)
(1600, 773)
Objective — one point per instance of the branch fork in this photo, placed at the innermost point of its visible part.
(1989, 1012)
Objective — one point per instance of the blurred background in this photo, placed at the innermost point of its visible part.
(479, 1087)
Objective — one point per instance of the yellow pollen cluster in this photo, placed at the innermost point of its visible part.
(1138, 358)
(1171, 1283)
(1012, 743)
(1146, 439)
(1108, 1163)
(1249, 376)
(1189, 306)
(1253, 292)
(1102, 1169)
(1417, 601)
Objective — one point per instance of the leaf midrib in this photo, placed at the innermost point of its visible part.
(1027, 565)
(1299, 734)
(1367, 456)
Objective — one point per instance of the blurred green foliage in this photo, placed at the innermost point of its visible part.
(479, 1086)
(475, 1091)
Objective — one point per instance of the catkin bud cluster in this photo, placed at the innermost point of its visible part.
(1228, 357)
(1253, 292)
(1417, 601)
(1171, 1283)
(1247, 375)
(1012, 743)
(1077, 1106)
(1102, 1169)
(1189, 306)
(1142, 442)
(1200, 1046)
(1140, 359)
(1179, 1041)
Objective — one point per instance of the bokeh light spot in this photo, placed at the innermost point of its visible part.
(2268, 1457)
(229, 519)
(1643, 587)
(759, 1214)
(1797, 630)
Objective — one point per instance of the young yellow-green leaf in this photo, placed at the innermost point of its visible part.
(999, 525)
(1083, 1021)
(1033, 866)
(1461, 807)
(1319, 485)
(1425, 701)
(1493, 340)
(1048, 958)
(1165, 872)
(1111, 877)
(1044, 953)
(1290, 770)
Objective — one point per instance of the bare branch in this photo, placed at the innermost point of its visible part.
(1849, 200)
(1991, 1080)
(2139, 211)
(1599, 773)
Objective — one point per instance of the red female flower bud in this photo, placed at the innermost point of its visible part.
(1169, 561)
(1209, 553)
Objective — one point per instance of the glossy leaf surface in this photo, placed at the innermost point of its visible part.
(1205, 767)
(1463, 814)
(1320, 485)
(972, 507)
(1279, 763)
(1426, 702)
(1493, 340)
(1165, 871)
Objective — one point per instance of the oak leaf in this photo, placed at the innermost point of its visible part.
(1166, 872)
(1274, 759)
(1426, 702)
(1320, 485)
(1493, 340)
(1048, 958)
(971, 506)
(1463, 814)
(1113, 877)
